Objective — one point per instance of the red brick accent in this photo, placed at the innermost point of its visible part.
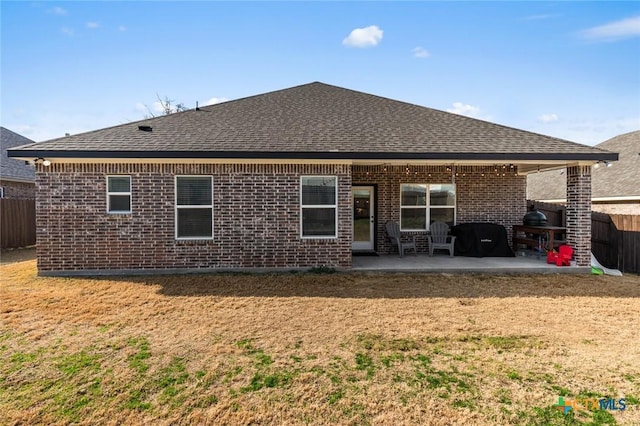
(579, 213)
(256, 219)
(484, 194)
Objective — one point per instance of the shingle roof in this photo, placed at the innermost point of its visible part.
(316, 120)
(619, 180)
(11, 168)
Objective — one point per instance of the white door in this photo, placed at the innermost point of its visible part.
(363, 218)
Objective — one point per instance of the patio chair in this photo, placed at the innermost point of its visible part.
(393, 231)
(439, 238)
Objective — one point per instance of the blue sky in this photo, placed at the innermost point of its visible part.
(565, 69)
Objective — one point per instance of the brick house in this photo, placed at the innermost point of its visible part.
(17, 179)
(614, 190)
(289, 179)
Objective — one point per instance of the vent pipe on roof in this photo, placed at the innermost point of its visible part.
(145, 128)
(197, 107)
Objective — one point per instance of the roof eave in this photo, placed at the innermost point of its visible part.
(27, 154)
(7, 178)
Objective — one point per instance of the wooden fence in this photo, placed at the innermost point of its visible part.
(615, 238)
(17, 223)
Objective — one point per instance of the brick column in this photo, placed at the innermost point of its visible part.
(579, 213)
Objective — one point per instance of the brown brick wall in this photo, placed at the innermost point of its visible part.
(18, 190)
(256, 219)
(484, 194)
(579, 213)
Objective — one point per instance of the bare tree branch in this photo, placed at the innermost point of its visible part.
(167, 107)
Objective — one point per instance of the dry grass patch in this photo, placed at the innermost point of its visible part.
(316, 349)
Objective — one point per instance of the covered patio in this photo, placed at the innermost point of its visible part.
(442, 263)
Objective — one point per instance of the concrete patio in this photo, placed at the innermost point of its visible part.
(442, 263)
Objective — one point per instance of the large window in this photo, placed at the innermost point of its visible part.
(319, 208)
(194, 207)
(422, 204)
(119, 194)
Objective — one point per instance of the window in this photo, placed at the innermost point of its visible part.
(194, 207)
(422, 204)
(119, 194)
(319, 208)
(442, 203)
(413, 207)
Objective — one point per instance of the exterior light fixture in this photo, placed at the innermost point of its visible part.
(39, 160)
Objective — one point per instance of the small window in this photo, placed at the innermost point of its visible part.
(119, 194)
(194, 207)
(319, 208)
(1, 191)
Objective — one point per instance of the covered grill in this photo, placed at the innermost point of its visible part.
(534, 217)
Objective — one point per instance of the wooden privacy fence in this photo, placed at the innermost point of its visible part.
(17, 223)
(615, 238)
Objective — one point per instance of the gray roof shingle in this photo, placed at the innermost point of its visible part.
(619, 180)
(315, 120)
(11, 168)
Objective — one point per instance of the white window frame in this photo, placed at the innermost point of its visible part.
(110, 193)
(428, 206)
(198, 206)
(321, 206)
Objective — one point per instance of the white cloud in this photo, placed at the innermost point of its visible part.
(68, 31)
(93, 25)
(157, 107)
(122, 28)
(23, 129)
(465, 109)
(141, 107)
(364, 37)
(617, 30)
(548, 118)
(420, 52)
(58, 11)
(214, 100)
(540, 17)
(593, 130)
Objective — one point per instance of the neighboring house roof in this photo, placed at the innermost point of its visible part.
(317, 121)
(10, 168)
(620, 181)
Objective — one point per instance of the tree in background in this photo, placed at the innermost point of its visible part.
(165, 105)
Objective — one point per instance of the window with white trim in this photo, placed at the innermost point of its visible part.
(194, 207)
(319, 206)
(422, 204)
(119, 194)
